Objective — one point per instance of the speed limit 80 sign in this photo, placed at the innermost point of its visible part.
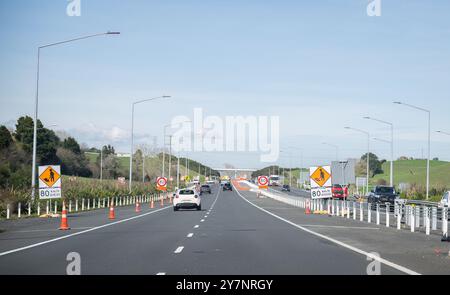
(161, 183)
(263, 182)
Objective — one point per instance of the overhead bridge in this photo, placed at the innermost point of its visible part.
(236, 172)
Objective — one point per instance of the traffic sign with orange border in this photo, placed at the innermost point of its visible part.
(161, 183)
(263, 182)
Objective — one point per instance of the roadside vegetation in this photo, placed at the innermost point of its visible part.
(80, 167)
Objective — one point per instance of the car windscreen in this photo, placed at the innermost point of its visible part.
(186, 192)
(275, 178)
(384, 190)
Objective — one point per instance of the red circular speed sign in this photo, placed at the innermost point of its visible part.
(263, 180)
(162, 181)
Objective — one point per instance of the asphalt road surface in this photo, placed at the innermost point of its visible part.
(233, 234)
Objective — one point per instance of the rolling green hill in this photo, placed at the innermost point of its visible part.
(414, 171)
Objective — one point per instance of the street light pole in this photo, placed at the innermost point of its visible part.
(132, 134)
(101, 163)
(391, 180)
(368, 154)
(429, 140)
(36, 103)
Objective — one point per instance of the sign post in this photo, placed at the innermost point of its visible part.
(49, 182)
(320, 182)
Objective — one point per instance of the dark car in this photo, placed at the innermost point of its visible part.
(286, 188)
(337, 191)
(227, 187)
(382, 194)
(205, 188)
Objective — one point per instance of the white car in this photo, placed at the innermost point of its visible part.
(187, 198)
(445, 200)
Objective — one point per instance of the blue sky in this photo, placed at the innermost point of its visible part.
(319, 65)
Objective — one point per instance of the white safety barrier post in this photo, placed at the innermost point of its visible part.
(76, 205)
(378, 214)
(70, 205)
(103, 203)
(369, 212)
(88, 203)
(411, 219)
(354, 210)
(387, 214)
(445, 223)
(338, 213)
(56, 207)
(361, 213)
(407, 215)
(99, 203)
(46, 211)
(8, 212)
(424, 216)
(417, 217)
(427, 220)
(107, 202)
(38, 208)
(82, 204)
(343, 208)
(332, 207)
(29, 208)
(348, 210)
(434, 218)
(19, 209)
(329, 207)
(399, 217)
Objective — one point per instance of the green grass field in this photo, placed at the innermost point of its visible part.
(414, 171)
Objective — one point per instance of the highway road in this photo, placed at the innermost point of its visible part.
(235, 233)
(295, 192)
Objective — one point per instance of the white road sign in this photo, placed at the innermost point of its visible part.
(320, 178)
(50, 182)
(321, 193)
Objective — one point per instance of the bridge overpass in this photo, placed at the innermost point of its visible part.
(236, 172)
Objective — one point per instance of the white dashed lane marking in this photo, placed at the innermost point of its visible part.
(196, 226)
(190, 235)
(161, 274)
(202, 220)
(178, 250)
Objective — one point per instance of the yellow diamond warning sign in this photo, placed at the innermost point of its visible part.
(320, 176)
(49, 176)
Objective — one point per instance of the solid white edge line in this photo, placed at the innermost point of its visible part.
(179, 249)
(362, 252)
(80, 232)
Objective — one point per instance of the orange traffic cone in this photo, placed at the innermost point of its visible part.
(64, 224)
(138, 207)
(152, 205)
(112, 215)
(308, 209)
